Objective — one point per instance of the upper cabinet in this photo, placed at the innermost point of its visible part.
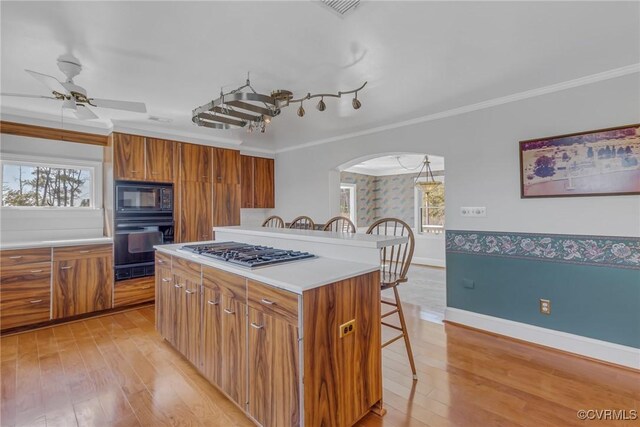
(160, 157)
(258, 186)
(143, 159)
(226, 166)
(128, 156)
(195, 163)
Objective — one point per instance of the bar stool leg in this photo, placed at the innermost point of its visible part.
(405, 333)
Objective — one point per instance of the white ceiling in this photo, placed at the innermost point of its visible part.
(399, 164)
(419, 57)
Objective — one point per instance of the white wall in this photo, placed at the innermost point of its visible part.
(29, 224)
(481, 149)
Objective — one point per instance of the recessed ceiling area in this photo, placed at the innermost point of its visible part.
(428, 57)
(397, 164)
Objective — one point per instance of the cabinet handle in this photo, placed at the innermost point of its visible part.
(35, 301)
(267, 302)
(177, 285)
(146, 287)
(134, 171)
(256, 326)
(166, 280)
(36, 271)
(66, 267)
(84, 252)
(155, 173)
(15, 257)
(210, 302)
(189, 292)
(160, 261)
(229, 311)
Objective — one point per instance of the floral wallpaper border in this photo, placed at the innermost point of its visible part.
(620, 252)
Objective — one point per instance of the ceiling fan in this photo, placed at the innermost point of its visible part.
(74, 97)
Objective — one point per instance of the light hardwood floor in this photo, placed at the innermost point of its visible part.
(116, 371)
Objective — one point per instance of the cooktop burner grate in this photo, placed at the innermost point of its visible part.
(246, 255)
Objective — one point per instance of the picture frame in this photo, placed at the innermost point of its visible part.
(602, 162)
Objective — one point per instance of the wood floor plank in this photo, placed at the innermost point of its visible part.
(117, 371)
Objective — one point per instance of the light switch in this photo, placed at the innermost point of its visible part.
(477, 211)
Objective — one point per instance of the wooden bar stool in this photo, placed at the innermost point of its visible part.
(340, 224)
(302, 223)
(273, 221)
(394, 264)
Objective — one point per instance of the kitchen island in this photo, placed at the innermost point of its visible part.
(291, 344)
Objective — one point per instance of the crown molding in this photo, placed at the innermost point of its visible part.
(519, 96)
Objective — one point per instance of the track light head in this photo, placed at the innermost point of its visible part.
(321, 105)
(301, 111)
(356, 103)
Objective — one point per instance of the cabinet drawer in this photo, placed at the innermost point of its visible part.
(278, 302)
(79, 252)
(134, 291)
(228, 284)
(187, 269)
(163, 259)
(25, 294)
(24, 256)
(26, 277)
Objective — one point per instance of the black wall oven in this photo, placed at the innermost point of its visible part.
(143, 218)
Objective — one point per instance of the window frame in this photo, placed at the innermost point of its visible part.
(352, 199)
(94, 167)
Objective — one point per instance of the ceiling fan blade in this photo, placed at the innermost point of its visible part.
(138, 107)
(84, 113)
(22, 95)
(49, 81)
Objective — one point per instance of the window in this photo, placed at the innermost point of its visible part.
(430, 199)
(348, 201)
(37, 183)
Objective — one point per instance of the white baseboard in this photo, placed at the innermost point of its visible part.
(589, 347)
(435, 262)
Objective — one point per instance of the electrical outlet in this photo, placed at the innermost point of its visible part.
(347, 328)
(545, 306)
(477, 211)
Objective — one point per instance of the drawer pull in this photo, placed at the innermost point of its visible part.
(15, 257)
(166, 280)
(36, 271)
(267, 302)
(210, 302)
(35, 301)
(134, 171)
(66, 267)
(189, 292)
(84, 252)
(177, 285)
(256, 326)
(146, 287)
(229, 311)
(160, 261)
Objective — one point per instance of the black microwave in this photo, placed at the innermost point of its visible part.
(139, 197)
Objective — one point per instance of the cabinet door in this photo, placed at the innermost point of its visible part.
(160, 158)
(128, 157)
(195, 213)
(81, 286)
(188, 318)
(212, 336)
(25, 294)
(165, 303)
(195, 163)
(273, 371)
(234, 365)
(226, 204)
(226, 166)
(263, 183)
(246, 168)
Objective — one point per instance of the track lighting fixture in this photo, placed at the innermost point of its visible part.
(245, 107)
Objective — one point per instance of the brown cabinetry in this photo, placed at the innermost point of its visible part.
(195, 163)
(165, 301)
(82, 280)
(159, 160)
(139, 158)
(25, 287)
(187, 316)
(133, 291)
(258, 185)
(195, 212)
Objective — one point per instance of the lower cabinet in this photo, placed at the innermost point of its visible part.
(234, 349)
(187, 316)
(82, 280)
(273, 370)
(25, 294)
(211, 363)
(165, 303)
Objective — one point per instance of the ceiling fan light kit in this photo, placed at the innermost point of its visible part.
(244, 107)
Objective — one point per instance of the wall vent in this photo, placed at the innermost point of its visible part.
(341, 7)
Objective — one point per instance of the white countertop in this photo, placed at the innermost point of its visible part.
(55, 243)
(297, 276)
(346, 239)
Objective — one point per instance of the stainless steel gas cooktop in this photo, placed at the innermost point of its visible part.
(246, 255)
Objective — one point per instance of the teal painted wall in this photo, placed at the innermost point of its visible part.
(596, 301)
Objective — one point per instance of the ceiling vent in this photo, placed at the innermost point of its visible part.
(341, 7)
